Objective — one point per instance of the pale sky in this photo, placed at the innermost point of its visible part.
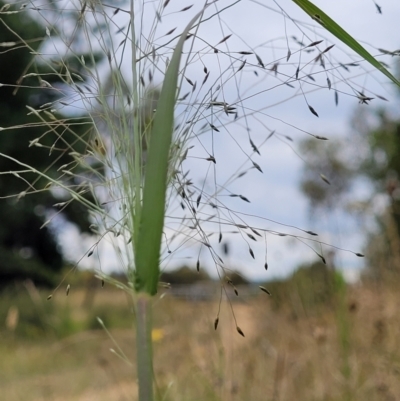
(274, 194)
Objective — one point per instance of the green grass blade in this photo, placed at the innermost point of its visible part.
(147, 253)
(318, 15)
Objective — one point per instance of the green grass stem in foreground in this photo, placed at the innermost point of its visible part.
(131, 170)
(147, 251)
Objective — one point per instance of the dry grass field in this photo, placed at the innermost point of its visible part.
(348, 349)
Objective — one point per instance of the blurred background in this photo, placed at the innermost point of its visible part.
(319, 331)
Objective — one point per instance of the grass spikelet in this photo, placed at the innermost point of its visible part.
(186, 8)
(255, 232)
(313, 111)
(266, 266)
(224, 39)
(251, 237)
(242, 66)
(214, 128)
(254, 147)
(327, 49)
(170, 32)
(205, 78)
(257, 167)
(49, 297)
(251, 253)
(259, 61)
(239, 330)
(190, 82)
(325, 179)
(360, 255)
(264, 290)
(322, 258)
(67, 289)
(198, 265)
(312, 44)
(216, 321)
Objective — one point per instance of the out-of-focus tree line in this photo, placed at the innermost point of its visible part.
(26, 249)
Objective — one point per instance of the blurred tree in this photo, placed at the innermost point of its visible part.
(308, 291)
(27, 250)
(373, 155)
(327, 175)
(184, 275)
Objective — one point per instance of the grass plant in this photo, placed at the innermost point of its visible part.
(177, 86)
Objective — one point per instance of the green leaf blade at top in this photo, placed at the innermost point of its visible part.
(330, 25)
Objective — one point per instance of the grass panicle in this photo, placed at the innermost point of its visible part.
(154, 121)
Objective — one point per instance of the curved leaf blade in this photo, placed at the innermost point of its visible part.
(147, 253)
(330, 25)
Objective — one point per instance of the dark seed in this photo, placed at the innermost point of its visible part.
(251, 253)
(239, 330)
(313, 111)
(265, 290)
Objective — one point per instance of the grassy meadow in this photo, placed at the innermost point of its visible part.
(344, 347)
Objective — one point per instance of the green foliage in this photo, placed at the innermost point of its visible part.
(29, 250)
(184, 275)
(328, 159)
(308, 291)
